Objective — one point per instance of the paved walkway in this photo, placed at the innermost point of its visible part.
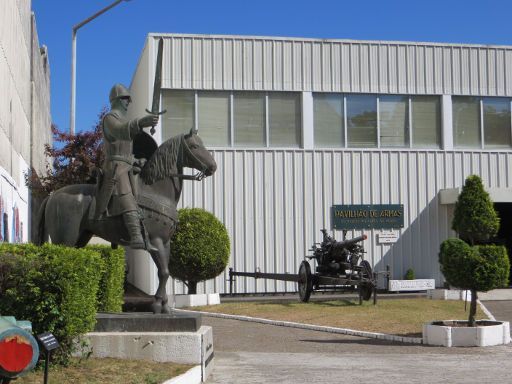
(257, 353)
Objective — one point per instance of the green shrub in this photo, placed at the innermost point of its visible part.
(458, 262)
(111, 287)
(465, 264)
(409, 274)
(52, 286)
(474, 218)
(494, 270)
(199, 248)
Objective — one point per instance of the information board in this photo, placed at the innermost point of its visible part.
(371, 216)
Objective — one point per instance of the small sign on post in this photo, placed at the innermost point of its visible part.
(387, 237)
(48, 342)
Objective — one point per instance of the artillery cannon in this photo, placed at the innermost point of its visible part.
(338, 263)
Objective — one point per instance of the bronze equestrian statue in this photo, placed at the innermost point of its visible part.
(116, 195)
(135, 209)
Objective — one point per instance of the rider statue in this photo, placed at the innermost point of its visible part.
(116, 194)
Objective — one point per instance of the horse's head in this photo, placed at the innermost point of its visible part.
(195, 155)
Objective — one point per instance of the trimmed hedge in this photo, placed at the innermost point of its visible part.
(59, 289)
(480, 268)
(54, 287)
(200, 247)
(494, 272)
(111, 286)
(458, 260)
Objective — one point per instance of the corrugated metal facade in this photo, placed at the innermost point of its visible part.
(224, 62)
(274, 201)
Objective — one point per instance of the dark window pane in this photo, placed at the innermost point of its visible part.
(180, 113)
(284, 119)
(362, 121)
(466, 122)
(213, 118)
(496, 122)
(249, 119)
(394, 121)
(328, 120)
(426, 121)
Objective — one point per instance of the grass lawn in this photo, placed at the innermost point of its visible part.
(403, 317)
(96, 371)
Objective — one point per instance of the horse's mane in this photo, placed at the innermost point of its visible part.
(164, 161)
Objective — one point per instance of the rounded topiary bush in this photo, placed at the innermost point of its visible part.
(458, 261)
(199, 248)
(464, 263)
(494, 269)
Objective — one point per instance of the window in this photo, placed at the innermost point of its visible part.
(394, 121)
(213, 117)
(496, 122)
(362, 121)
(180, 112)
(481, 122)
(426, 121)
(387, 121)
(466, 122)
(328, 120)
(241, 119)
(284, 119)
(249, 119)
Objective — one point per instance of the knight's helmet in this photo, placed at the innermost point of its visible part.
(118, 91)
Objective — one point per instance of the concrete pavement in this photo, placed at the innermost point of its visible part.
(259, 353)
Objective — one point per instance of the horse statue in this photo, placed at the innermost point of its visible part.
(67, 216)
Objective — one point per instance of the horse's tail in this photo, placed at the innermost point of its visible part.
(41, 236)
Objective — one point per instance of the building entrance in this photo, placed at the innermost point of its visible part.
(504, 236)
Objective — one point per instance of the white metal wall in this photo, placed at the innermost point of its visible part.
(259, 63)
(274, 203)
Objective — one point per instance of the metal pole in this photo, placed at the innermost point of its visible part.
(47, 362)
(73, 83)
(73, 61)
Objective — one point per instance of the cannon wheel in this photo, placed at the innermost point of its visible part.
(366, 287)
(305, 281)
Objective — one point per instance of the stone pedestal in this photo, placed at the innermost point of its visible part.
(176, 337)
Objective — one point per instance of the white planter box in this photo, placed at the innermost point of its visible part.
(449, 294)
(411, 285)
(198, 300)
(498, 333)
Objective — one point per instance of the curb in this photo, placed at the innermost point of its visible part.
(321, 328)
(192, 376)
(486, 311)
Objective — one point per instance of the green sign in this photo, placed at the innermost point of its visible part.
(382, 216)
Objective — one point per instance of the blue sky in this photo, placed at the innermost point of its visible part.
(109, 47)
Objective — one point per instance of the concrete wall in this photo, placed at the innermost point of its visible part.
(24, 105)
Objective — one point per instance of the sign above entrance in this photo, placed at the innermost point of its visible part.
(381, 216)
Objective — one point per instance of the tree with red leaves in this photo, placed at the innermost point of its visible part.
(72, 159)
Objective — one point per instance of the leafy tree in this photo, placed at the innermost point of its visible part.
(71, 160)
(464, 263)
(199, 248)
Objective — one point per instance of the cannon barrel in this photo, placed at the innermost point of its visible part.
(347, 242)
(19, 351)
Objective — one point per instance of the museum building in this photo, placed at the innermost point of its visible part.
(298, 126)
